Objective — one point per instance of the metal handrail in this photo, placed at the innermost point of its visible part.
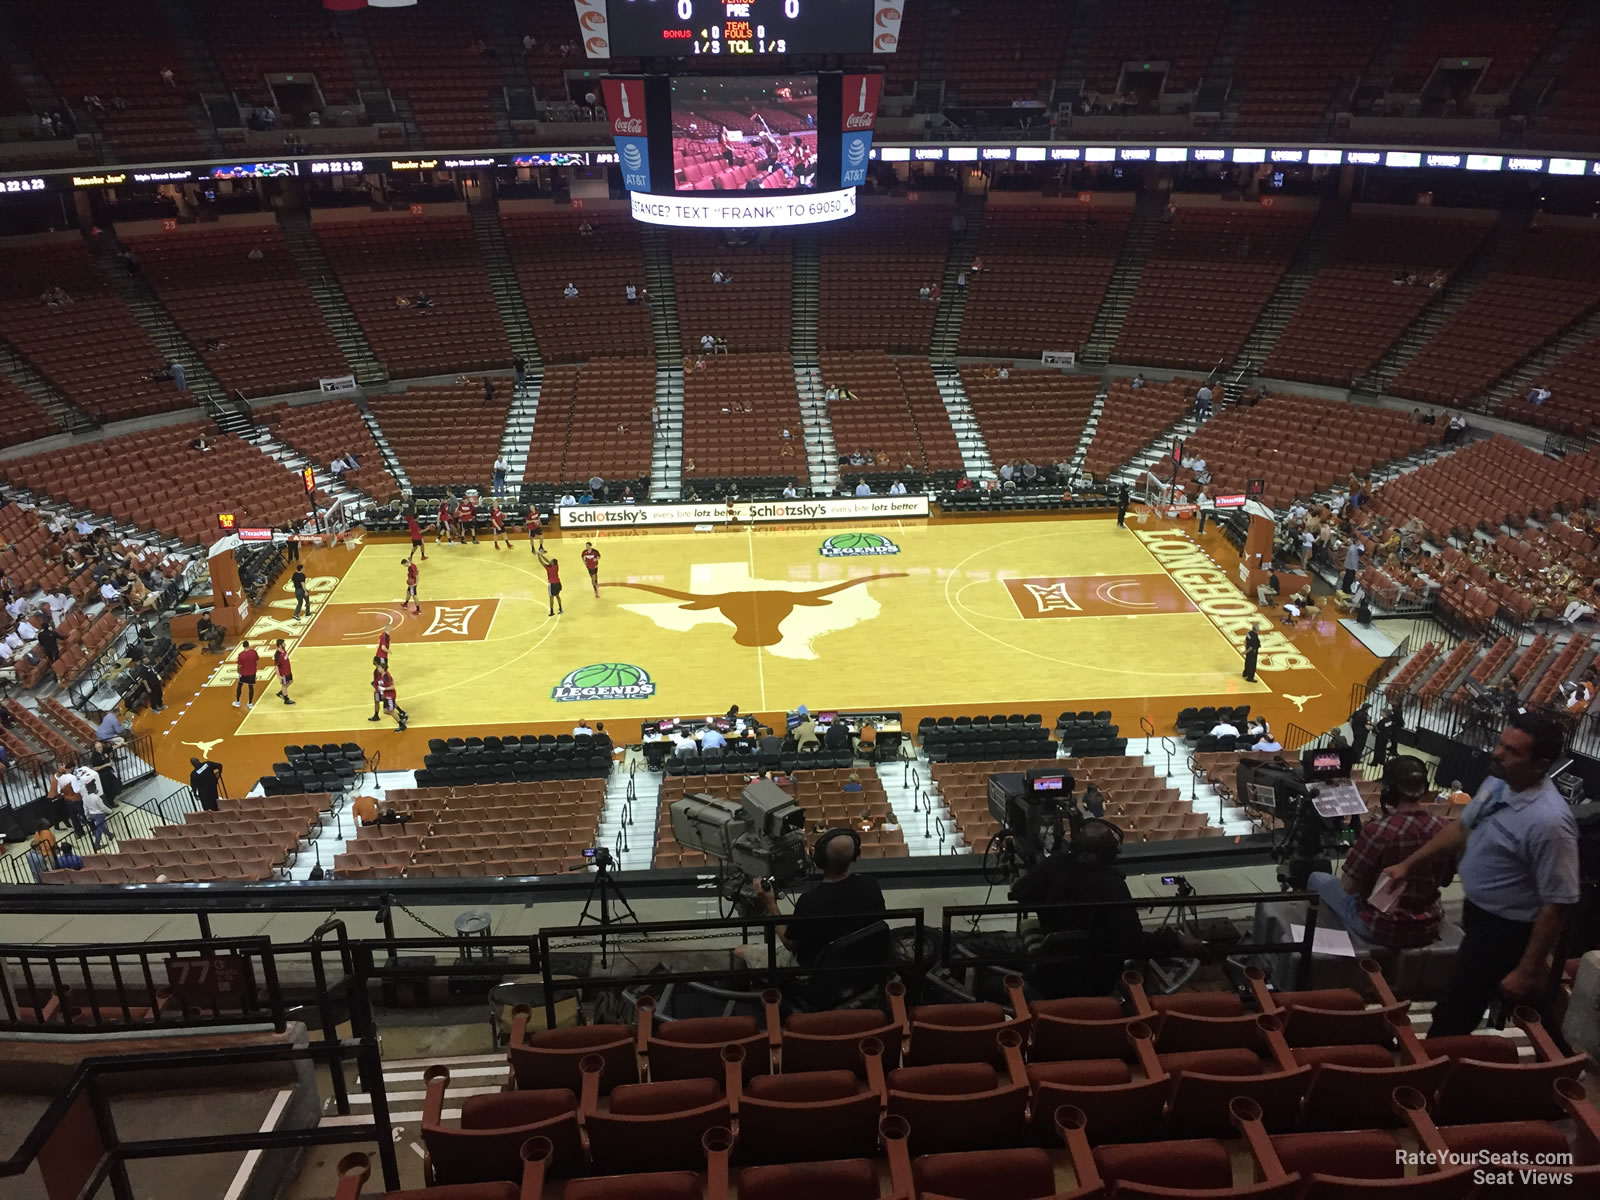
(1149, 727)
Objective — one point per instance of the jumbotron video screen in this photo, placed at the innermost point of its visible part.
(744, 134)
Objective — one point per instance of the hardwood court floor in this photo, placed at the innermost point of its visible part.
(943, 616)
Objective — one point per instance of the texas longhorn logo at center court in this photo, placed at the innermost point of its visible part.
(777, 616)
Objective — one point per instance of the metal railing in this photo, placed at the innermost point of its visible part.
(99, 1155)
(104, 988)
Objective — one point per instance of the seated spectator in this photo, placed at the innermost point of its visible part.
(1224, 729)
(582, 730)
(111, 727)
(862, 489)
(684, 745)
(1407, 914)
(1268, 591)
(1267, 743)
(570, 291)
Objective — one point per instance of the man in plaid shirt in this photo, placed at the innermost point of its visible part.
(1405, 827)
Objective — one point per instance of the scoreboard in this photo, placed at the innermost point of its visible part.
(738, 28)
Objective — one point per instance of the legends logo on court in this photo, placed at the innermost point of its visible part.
(605, 681)
(858, 545)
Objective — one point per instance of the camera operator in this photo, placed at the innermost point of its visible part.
(1084, 870)
(1404, 828)
(1518, 848)
(841, 904)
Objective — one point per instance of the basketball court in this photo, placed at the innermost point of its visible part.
(980, 616)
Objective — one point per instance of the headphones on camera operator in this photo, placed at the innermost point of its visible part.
(1405, 777)
(1102, 850)
(820, 846)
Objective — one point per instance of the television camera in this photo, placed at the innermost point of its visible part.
(761, 836)
(1037, 813)
(1314, 808)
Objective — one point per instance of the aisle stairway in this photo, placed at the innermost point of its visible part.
(1492, 253)
(337, 314)
(65, 413)
(152, 314)
(518, 436)
(1516, 382)
(805, 288)
(666, 452)
(663, 297)
(391, 460)
(822, 456)
(969, 438)
(508, 298)
(953, 300)
(1155, 451)
(1135, 251)
(1309, 258)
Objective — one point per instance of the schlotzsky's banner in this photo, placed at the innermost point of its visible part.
(624, 100)
(625, 516)
(1224, 605)
(859, 118)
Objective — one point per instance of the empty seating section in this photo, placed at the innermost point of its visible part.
(1298, 59)
(819, 792)
(156, 480)
(549, 253)
(246, 838)
(254, 322)
(735, 409)
(1300, 444)
(873, 268)
(1210, 273)
(378, 262)
(1137, 798)
(1034, 415)
(327, 430)
(424, 55)
(1479, 29)
(539, 827)
(1572, 119)
(883, 419)
(88, 49)
(1553, 280)
(444, 435)
(1354, 310)
(92, 349)
(1132, 417)
(291, 37)
(611, 434)
(1045, 271)
(1149, 30)
(1008, 50)
(30, 730)
(752, 311)
(547, 449)
(21, 420)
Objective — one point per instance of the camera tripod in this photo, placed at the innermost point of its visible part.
(613, 905)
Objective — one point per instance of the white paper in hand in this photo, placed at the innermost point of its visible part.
(1385, 893)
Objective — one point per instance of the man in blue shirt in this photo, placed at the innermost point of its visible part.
(109, 727)
(1518, 847)
(711, 738)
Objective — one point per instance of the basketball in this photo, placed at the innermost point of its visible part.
(855, 541)
(605, 675)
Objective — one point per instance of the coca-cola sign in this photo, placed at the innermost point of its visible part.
(860, 97)
(627, 126)
(625, 109)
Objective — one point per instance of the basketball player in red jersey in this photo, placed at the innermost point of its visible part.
(416, 537)
(247, 674)
(280, 662)
(591, 562)
(411, 586)
(552, 572)
(381, 658)
(467, 520)
(535, 531)
(497, 525)
(387, 696)
(444, 520)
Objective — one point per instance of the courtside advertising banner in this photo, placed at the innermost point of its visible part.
(624, 100)
(859, 118)
(629, 516)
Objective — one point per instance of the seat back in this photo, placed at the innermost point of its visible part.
(1022, 1174)
(550, 1059)
(1475, 1091)
(692, 1048)
(960, 1106)
(488, 1145)
(1198, 1104)
(656, 1126)
(1347, 1097)
(827, 1105)
(847, 1179)
(1118, 1107)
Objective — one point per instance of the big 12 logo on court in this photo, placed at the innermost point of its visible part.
(624, 99)
(858, 120)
